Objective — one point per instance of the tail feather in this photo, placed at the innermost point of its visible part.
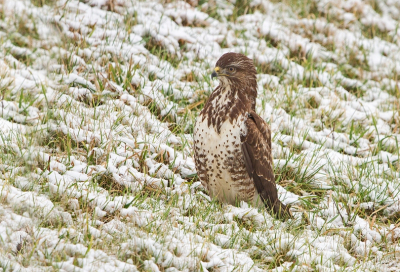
(276, 207)
(281, 211)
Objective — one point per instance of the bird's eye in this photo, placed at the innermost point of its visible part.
(231, 69)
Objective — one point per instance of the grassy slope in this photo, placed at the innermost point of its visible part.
(97, 111)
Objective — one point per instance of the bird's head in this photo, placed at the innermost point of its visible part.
(235, 68)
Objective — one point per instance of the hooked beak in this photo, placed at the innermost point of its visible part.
(215, 73)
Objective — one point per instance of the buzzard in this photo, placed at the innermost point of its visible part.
(232, 143)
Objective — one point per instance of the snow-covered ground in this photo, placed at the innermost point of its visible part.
(98, 101)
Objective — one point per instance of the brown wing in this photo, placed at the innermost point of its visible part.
(256, 148)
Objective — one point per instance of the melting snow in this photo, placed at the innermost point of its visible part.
(115, 103)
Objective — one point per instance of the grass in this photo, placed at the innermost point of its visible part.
(41, 3)
(374, 31)
(158, 49)
(104, 150)
(302, 9)
(244, 7)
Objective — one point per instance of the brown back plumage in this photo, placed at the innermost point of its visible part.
(256, 148)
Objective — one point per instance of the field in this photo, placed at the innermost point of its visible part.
(98, 99)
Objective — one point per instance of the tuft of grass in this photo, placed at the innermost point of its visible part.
(356, 57)
(121, 76)
(27, 31)
(5, 92)
(210, 7)
(130, 21)
(68, 62)
(2, 14)
(244, 7)
(373, 31)
(274, 68)
(107, 182)
(301, 180)
(41, 3)
(349, 71)
(58, 141)
(312, 103)
(375, 5)
(303, 9)
(157, 49)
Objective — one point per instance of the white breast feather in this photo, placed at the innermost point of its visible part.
(213, 143)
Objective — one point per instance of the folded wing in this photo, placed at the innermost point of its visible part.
(256, 148)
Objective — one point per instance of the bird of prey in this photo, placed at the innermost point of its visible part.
(232, 143)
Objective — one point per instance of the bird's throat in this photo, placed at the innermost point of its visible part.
(226, 104)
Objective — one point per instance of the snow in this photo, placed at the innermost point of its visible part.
(82, 76)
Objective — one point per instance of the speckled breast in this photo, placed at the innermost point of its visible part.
(219, 160)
